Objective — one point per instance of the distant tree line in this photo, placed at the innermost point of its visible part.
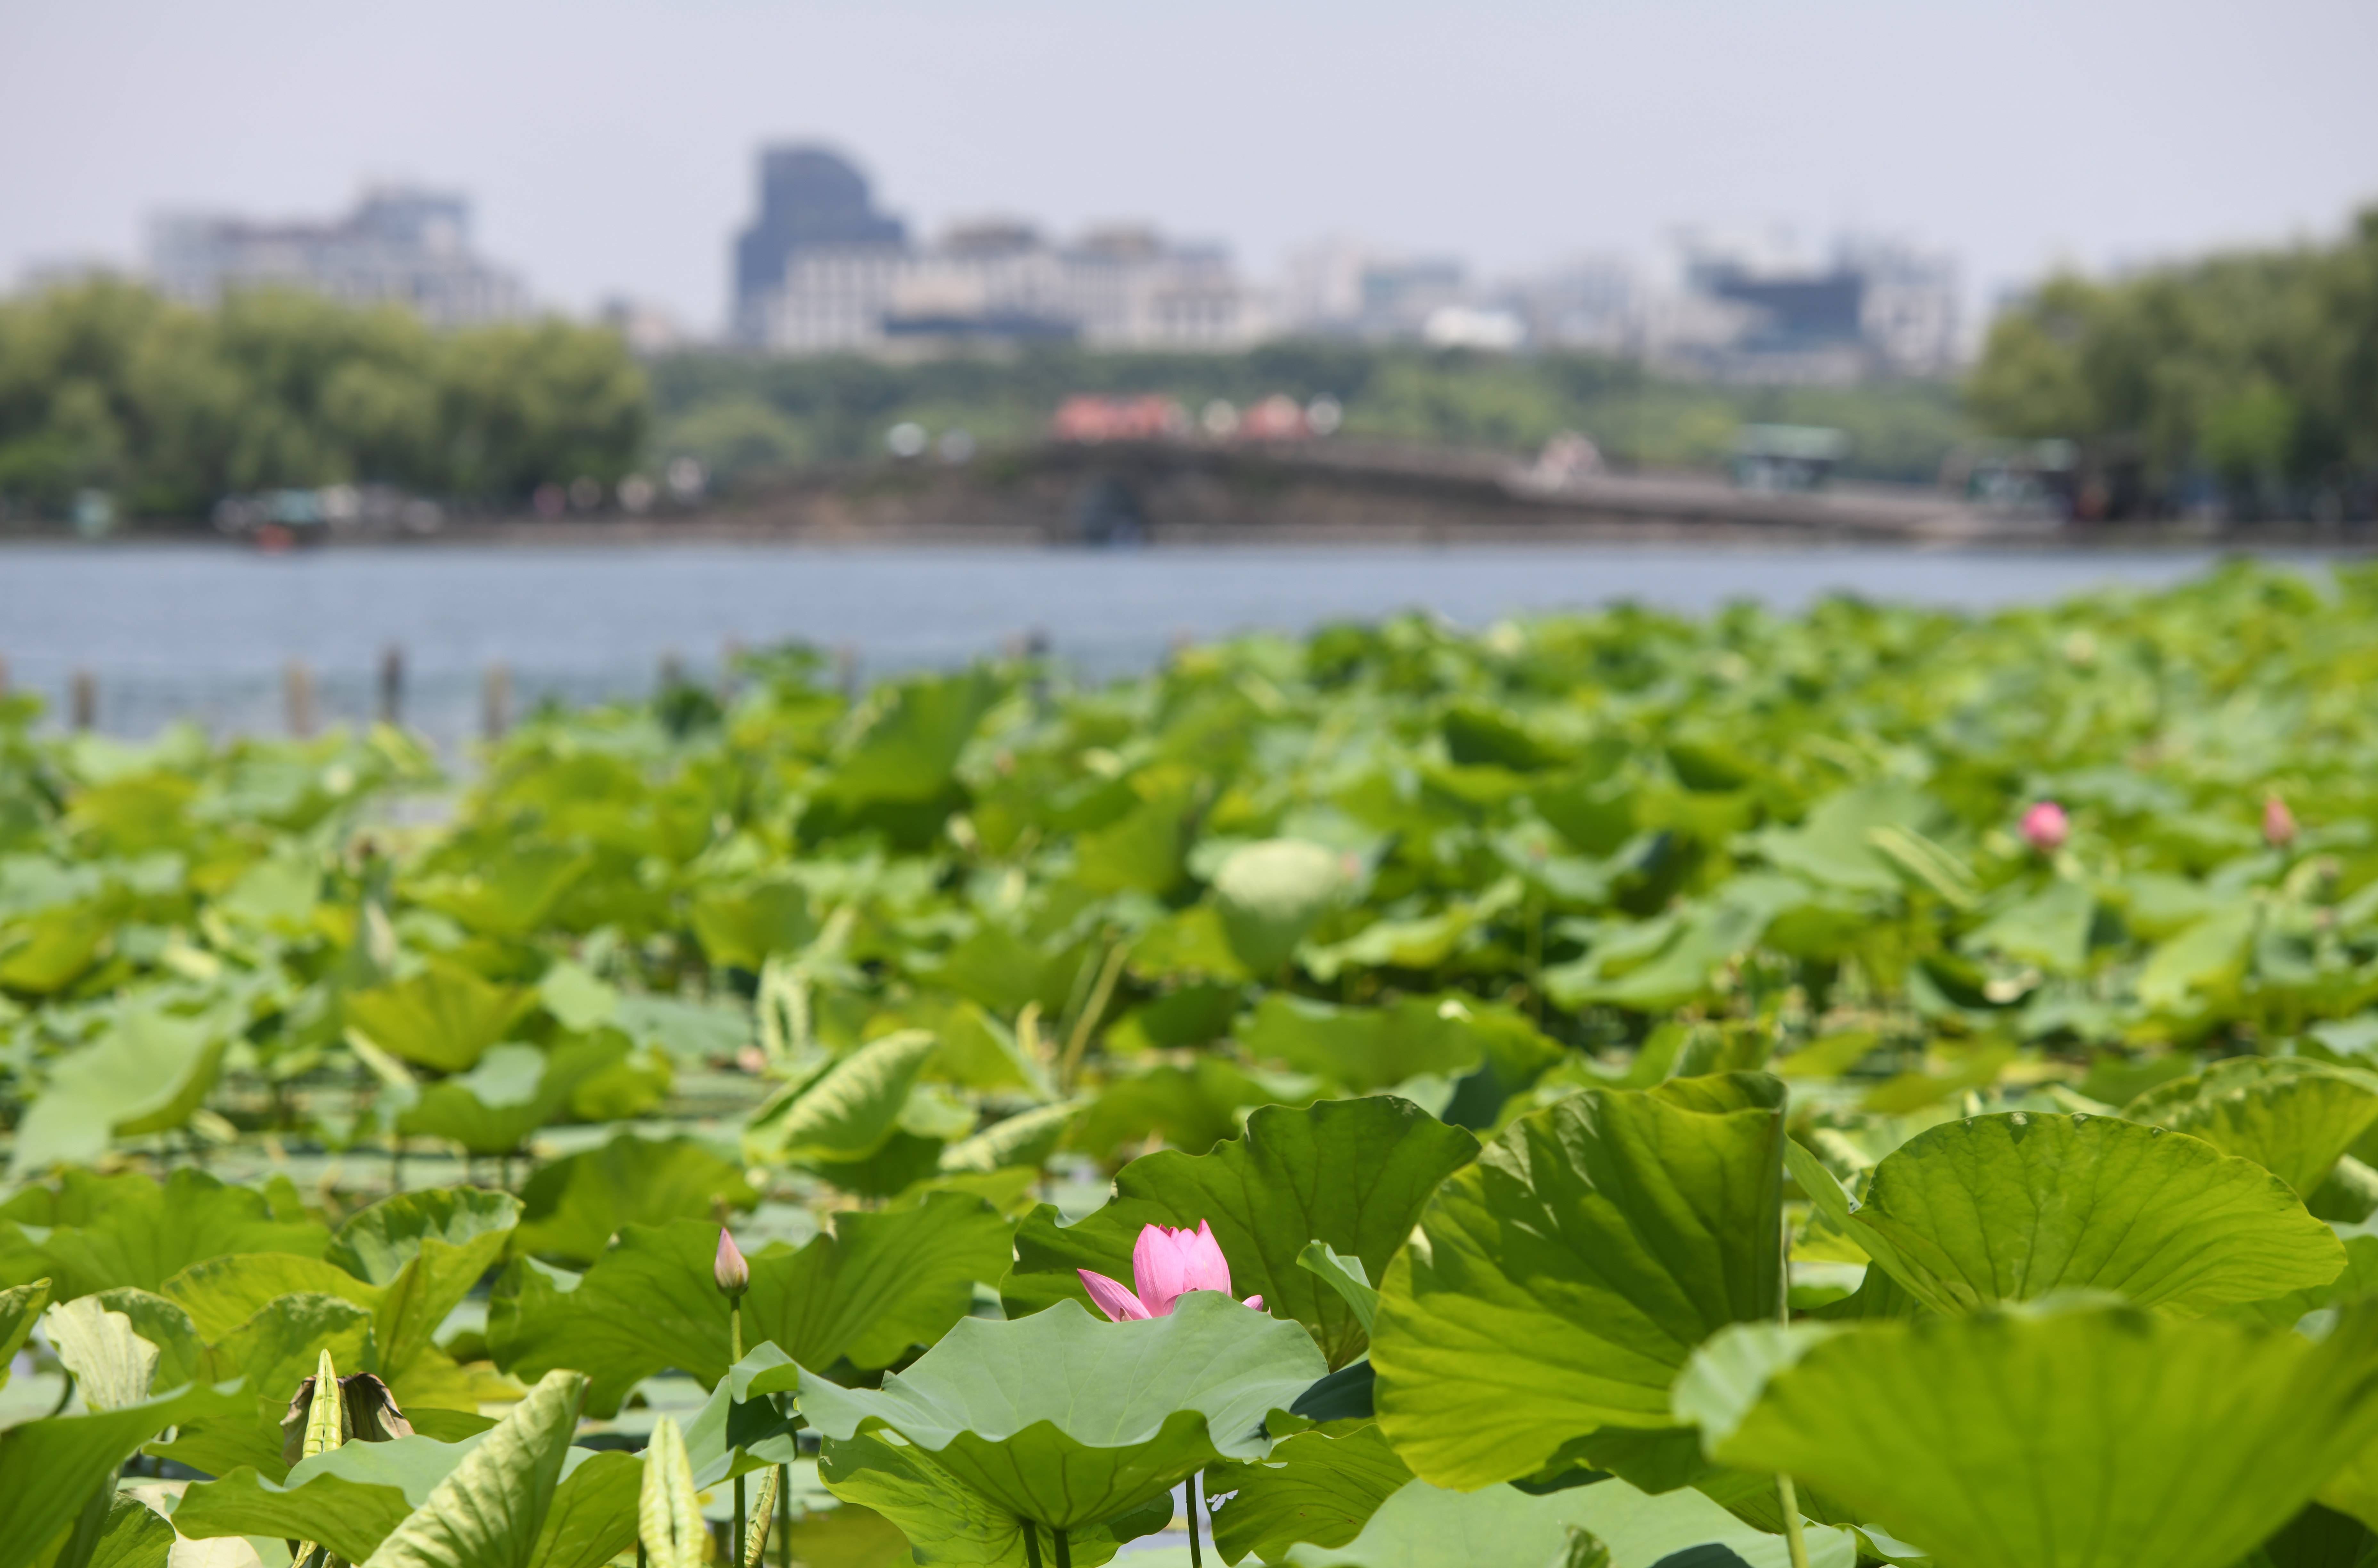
(2247, 380)
(105, 385)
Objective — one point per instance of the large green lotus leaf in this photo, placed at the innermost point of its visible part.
(278, 1347)
(2289, 1114)
(49, 951)
(909, 741)
(134, 1536)
(349, 1499)
(572, 1207)
(742, 928)
(1024, 1140)
(2050, 929)
(1370, 1049)
(354, 1496)
(513, 1091)
(1314, 1488)
(2071, 1433)
(593, 1518)
(1270, 895)
(443, 1018)
(1558, 1284)
(1068, 1420)
(2356, 1282)
(112, 1364)
(146, 1074)
(748, 1422)
(506, 894)
(135, 1231)
(224, 1292)
(1352, 1173)
(846, 1111)
(49, 1468)
(1500, 1526)
(947, 1521)
(2011, 1207)
(424, 1251)
(181, 1354)
(490, 1510)
(272, 1352)
(876, 1286)
(20, 1308)
(1834, 844)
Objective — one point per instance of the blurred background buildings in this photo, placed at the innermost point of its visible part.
(399, 245)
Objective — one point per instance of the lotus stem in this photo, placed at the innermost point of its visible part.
(1064, 1550)
(1032, 1543)
(739, 1512)
(785, 1512)
(1102, 992)
(1794, 1539)
(1197, 1558)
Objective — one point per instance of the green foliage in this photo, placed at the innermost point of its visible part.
(1558, 1284)
(2010, 1208)
(909, 979)
(1066, 1420)
(877, 1284)
(104, 384)
(2056, 1435)
(2239, 366)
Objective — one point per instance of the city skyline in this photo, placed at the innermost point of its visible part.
(621, 168)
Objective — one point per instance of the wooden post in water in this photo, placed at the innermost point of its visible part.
(672, 674)
(4, 674)
(496, 701)
(82, 701)
(391, 684)
(846, 671)
(297, 688)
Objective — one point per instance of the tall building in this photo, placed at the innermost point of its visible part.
(821, 270)
(812, 199)
(401, 246)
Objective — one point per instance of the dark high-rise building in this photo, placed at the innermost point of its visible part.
(811, 197)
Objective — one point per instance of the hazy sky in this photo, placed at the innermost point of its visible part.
(607, 144)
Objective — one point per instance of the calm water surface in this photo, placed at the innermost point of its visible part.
(205, 633)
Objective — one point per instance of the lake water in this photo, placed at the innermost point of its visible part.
(206, 633)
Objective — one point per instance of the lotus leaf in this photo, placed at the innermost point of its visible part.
(1558, 1284)
(572, 1207)
(2010, 1207)
(877, 1284)
(2066, 1433)
(2291, 1116)
(1421, 1526)
(1067, 1421)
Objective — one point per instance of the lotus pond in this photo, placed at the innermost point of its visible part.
(1877, 1085)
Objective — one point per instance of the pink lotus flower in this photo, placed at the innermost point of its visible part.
(1166, 1265)
(2045, 827)
(2279, 824)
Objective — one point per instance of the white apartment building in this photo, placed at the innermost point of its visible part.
(398, 246)
(1000, 282)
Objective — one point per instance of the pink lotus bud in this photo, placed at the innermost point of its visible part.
(1166, 1265)
(2279, 824)
(733, 1275)
(2045, 827)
